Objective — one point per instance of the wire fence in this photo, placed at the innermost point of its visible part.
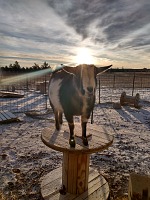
(34, 91)
(111, 85)
(27, 95)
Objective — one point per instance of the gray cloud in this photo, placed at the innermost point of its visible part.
(116, 18)
(128, 24)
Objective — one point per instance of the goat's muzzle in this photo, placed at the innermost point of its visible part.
(90, 91)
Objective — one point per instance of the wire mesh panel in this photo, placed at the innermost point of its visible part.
(30, 94)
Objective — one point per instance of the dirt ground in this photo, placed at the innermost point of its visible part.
(25, 159)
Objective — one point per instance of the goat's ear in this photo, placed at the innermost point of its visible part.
(71, 70)
(100, 70)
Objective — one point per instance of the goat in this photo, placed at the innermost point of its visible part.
(72, 92)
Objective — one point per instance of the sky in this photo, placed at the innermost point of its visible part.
(100, 32)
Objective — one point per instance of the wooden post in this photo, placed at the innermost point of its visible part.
(27, 84)
(114, 81)
(99, 89)
(133, 84)
(130, 100)
(46, 92)
(92, 117)
(45, 84)
(139, 187)
(75, 171)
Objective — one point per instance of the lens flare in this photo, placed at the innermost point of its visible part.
(30, 75)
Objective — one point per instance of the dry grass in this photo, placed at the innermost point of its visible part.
(122, 198)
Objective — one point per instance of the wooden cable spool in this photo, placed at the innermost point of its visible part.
(77, 179)
(130, 100)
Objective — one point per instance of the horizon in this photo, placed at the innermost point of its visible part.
(73, 32)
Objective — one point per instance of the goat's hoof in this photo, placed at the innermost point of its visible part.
(72, 143)
(85, 141)
(62, 190)
(57, 128)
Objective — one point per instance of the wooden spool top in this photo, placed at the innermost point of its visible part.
(59, 140)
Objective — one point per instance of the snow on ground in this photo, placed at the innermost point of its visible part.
(24, 158)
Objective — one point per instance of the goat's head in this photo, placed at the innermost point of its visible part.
(86, 77)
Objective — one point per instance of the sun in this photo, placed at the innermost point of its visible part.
(84, 56)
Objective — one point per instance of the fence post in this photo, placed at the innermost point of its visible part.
(133, 84)
(99, 88)
(92, 117)
(27, 84)
(45, 92)
(45, 85)
(141, 82)
(114, 80)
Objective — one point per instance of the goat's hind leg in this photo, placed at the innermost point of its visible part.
(84, 137)
(57, 124)
(60, 118)
(72, 139)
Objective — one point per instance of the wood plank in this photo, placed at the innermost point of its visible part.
(97, 183)
(87, 171)
(99, 192)
(103, 129)
(72, 173)
(5, 94)
(3, 118)
(51, 176)
(93, 185)
(97, 188)
(65, 169)
(139, 186)
(58, 196)
(59, 140)
(5, 115)
(52, 188)
(94, 179)
(81, 173)
(99, 134)
(11, 115)
(56, 139)
(79, 143)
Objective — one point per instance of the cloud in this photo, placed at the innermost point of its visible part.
(113, 24)
(115, 18)
(113, 30)
(34, 28)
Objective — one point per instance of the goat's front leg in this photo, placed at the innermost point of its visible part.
(60, 118)
(72, 139)
(71, 128)
(57, 125)
(84, 123)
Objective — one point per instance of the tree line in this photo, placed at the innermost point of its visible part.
(17, 68)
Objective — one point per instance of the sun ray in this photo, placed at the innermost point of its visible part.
(84, 56)
(23, 77)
